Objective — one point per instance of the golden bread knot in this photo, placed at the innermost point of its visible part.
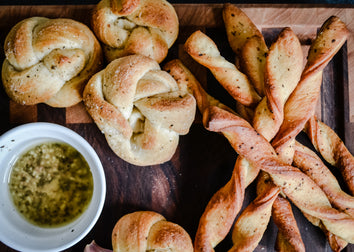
(50, 61)
(140, 109)
(147, 27)
(149, 231)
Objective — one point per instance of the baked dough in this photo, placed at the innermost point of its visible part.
(125, 27)
(140, 109)
(204, 50)
(149, 231)
(50, 61)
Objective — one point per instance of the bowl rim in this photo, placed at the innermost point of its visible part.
(11, 146)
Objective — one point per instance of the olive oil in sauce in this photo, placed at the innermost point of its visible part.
(51, 184)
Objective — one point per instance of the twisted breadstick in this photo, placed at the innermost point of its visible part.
(202, 49)
(239, 27)
(336, 243)
(283, 70)
(217, 219)
(311, 164)
(302, 102)
(287, 51)
(297, 186)
(288, 237)
(222, 209)
(332, 149)
(316, 62)
(251, 224)
(248, 43)
(253, 60)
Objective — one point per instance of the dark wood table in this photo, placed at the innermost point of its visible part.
(181, 188)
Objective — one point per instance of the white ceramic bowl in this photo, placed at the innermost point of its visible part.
(15, 231)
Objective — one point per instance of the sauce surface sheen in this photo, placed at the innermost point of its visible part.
(51, 184)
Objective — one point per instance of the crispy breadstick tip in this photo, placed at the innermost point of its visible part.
(329, 40)
(252, 61)
(239, 27)
(203, 50)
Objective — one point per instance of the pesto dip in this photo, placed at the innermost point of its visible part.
(51, 184)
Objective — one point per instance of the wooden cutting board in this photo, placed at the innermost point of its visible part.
(203, 162)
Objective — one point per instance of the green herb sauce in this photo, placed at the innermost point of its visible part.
(51, 184)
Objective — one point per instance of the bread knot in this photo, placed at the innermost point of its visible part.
(140, 109)
(149, 231)
(147, 27)
(50, 61)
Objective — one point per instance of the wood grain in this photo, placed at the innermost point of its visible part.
(203, 162)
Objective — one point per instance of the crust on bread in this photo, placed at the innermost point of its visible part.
(149, 231)
(147, 27)
(50, 61)
(140, 109)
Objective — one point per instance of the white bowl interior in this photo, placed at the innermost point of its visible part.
(18, 233)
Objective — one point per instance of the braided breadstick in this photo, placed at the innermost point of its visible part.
(283, 70)
(253, 60)
(288, 237)
(302, 102)
(243, 33)
(298, 187)
(225, 204)
(311, 164)
(239, 27)
(217, 219)
(251, 224)
(202, 49)
(248, 43)
(222, 209)
(287, 52)
(332, 149)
